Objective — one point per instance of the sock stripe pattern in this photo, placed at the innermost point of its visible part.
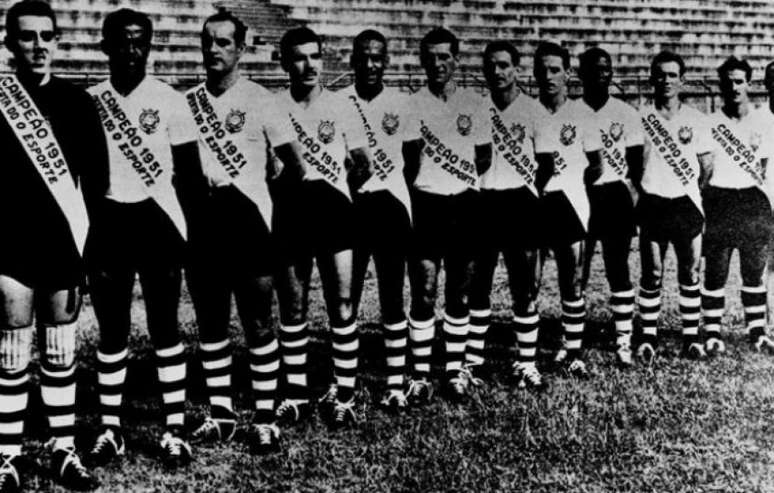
(754, 302)
(170, 363)
(264, 372)
(690, 311)
(346, 345)
(294, 343)
(14, 391)
(217, 362)
(421, 335)
(455, 333)
(622, 306)
(395, 343)
(650, 309)
(712, 307)
(526, 326)
(111, 378)
(573, 321)
(479, 325)
(57, 391)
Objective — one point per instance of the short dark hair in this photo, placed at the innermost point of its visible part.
(667, 57)
(502, 45)
(436, 36)
(120, 18)
(734, 63)
(369, 35)
(547, 48)
(592, 55)
(297, 36)
(37, 8)
(224, 15)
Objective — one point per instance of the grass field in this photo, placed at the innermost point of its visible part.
(678, 426)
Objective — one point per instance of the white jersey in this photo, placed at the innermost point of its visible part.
(451, 130)
(235, 130)
(387, 122)
(568, 136)
(513, 144)
(671, 148)
(141, 129)
(619, 127)
(327, 130)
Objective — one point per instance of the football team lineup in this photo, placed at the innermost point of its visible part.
(442, 181)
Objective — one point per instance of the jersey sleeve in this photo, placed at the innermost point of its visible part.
(182, 128)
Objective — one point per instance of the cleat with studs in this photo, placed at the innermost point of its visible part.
(693, 351)
(419, 392)
(108, 446)
(263, 438)
(646, 353)
(215, 430)
(394, 400)
(68, 470)
(528, 377)
(342, 415)
(175, 452)
(292, 411)
(715, 346)
(10, 481)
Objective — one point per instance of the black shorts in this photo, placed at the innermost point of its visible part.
(508, 219)
(559, 223)
(443, 224)
(382, 222)
(666, 220)
(612, 211)
(233, 236)
(737, 217)
(130, 237)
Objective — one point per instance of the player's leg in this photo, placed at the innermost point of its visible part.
(687, 241)
(615, 253)
(484, 266)
(569, 264)
(717, 258)
(652, 254)
(524, 272)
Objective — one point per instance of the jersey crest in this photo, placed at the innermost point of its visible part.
(235, 121)
(567, 134)
(755, 141)
(685, 134)
(326, 131)
(616, 131)
(464, 124)
(149, 121)
(390, 123)
(518, 132)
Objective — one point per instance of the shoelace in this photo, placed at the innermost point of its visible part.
(266, 434)
(342, 409)
(8, 469)
(394, 396)
(331, 394)
(72, 460)
(172, 445)
(577, 366)
(531, 374)
(415, 387)
(209, 427)
(467, 374)
(286, 407)
(103, 441)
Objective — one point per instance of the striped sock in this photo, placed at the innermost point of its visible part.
(712, 308)
(57, 391)
(13, 407)
(650, 307)
(111, 376)
(690, 311)
(754, 302)
(455, 332)
(479, 325)
(170, 363)
(421, 335)
(294, 340)
(395, 340)
(216, 363)
(264, 373)
(622, 305)
(573, 321)
(526, 325)
(345, 351)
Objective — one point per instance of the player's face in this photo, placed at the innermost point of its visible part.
(499, 71)
(439, 63)
(128, 49)
(666, 79)
(369, 61)
(734, 87)
(219, 50)
(305, 64)
(550, 74)
(598, 74)
(34, 44)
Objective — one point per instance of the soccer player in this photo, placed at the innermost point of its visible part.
(768, 111)
(574, 146)
(612, 218)
(230, 238)
(53, 151)
(140, 228)
(314, 218)
(737, 207)
(456, 132)
(676, 158)
(382, 204)
(506, 215)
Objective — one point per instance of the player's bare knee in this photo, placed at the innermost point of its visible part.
(15, 349)
(59, 349)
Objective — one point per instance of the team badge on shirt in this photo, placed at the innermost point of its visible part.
(567, 134)
(390, 123)
(235, 121)
(464, 124)
(326, 131)
(755, 141)
(517, 132)
(685, 134)
(616, 131)
(149, 121)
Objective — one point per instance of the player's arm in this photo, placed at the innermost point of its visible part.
(291, 165)
(412, 150)
(594, 170)
(635, 160)
(483, 157)
(706, 167)
(190, 183)
(545, 169)
(359, 167)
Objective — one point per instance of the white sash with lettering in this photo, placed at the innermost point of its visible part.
(316, 156)
(223, 150)
(392, 176)
(577, 194)
(674, 154)
(40, 144)
(509, 147)
(126, 139)
(740, 152)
